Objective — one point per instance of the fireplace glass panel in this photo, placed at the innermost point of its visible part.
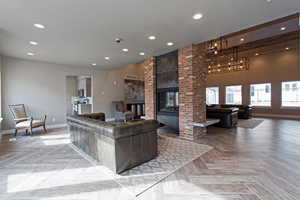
(168, 101)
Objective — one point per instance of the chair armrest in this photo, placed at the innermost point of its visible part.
(18, 120)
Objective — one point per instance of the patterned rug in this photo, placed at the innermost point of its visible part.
(249, 123)
(173, 153)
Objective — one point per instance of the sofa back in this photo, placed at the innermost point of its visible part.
(117, 145)
(96, 116)
(243, 106)
(113, 130)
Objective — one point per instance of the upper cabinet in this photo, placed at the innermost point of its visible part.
(85, 84)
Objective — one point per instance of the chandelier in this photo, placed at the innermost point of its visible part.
(222, 59)
(214, 46)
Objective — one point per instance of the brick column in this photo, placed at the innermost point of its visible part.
(192, 72)
(150, 88)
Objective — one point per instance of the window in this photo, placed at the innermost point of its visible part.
(260, 94)
(234, 94)
(212, 95)
(290, 94)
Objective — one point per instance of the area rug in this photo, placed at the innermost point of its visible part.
(249, 123)
(173, 153)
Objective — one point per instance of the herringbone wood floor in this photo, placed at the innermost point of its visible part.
(245, 164)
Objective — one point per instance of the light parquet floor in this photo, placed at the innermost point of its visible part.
(245, 164)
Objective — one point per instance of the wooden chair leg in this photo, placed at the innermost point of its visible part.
(45, 128)
(31, 131)
(16, 132)
(26, 131)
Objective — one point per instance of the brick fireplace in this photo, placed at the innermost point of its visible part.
(150, 88)
(192, 85)
(192, 71)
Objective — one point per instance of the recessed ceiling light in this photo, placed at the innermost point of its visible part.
(152, 37)
(118, 40)
(283, 28)
(30, 54)
(125, 50)
(287, 48)
(94, 64)
(242, 39)
(107, 58)
(257, 54)
(142, 53)
(269, 1)
(170, 43)
(33, 43)
(40, 26)
(197, 16)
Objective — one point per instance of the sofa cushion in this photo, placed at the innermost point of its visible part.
(26, 124)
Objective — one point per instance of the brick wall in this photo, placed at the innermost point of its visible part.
(192, 85)
(150, 88)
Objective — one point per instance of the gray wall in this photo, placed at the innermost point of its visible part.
(42, 88)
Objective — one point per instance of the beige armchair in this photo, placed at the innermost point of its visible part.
(22, 121)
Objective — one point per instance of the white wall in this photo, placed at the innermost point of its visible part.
(0, 87)
(38, 85)
(41, 87)
(114, 86)
(71, 91)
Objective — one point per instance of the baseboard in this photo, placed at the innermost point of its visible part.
(297, 117)
(57, 126)
(52, 126)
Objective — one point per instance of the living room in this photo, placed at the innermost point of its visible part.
(209, 109)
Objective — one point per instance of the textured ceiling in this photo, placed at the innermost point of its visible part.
(81, 32)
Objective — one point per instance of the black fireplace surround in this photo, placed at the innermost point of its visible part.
(168, 90)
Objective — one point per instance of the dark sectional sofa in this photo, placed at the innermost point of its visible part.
(117, 145)
(228, 116)
(245, 111)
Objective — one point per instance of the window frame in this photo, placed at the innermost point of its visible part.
(218, 93)
(281, 97)
(257, 106)
(225, 91)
